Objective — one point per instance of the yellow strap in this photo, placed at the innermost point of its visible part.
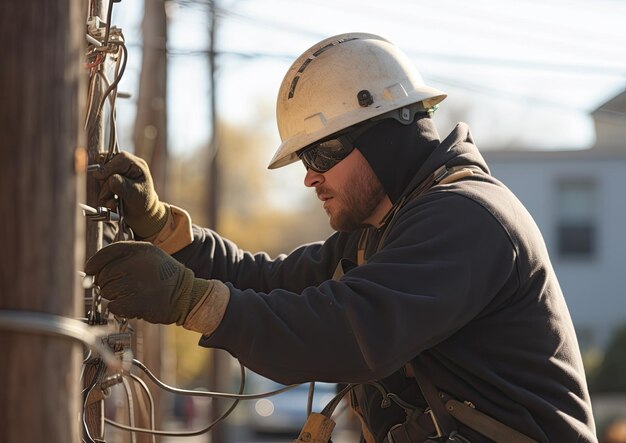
(360, 253)
(456, 175)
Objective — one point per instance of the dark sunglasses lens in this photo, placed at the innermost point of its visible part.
(325, 155)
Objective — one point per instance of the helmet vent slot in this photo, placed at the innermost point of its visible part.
(294, 82)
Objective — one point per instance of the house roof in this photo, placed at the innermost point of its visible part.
(555, 155)
(614, 108)
(615, 104)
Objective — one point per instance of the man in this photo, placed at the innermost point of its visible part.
(436, 296)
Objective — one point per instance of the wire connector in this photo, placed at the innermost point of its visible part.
(96, 28)
(100, 213)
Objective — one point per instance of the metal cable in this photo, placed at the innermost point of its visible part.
(100, 371)
(131, 408)
(143, 385)
(239, 396)
(50, 324)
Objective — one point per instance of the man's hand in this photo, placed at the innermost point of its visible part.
(128, 177)
(142, 281)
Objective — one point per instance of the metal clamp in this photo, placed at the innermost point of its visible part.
(100, 213)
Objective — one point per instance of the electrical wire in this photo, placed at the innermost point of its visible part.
(97, 55)
(236, 397)
(131, 408)
(611, 70)
(239, 396)
(122, 59)
(275, 25)
(148, 394)
(44, 323)
(108, 22)
(100, 370)
(91, 95)
(119, 72)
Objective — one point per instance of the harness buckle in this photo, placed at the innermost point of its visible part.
(429, 412)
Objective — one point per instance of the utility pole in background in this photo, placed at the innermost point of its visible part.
(40, 169)
(150, 132)
(218, 363)
(150, 141)
(213, 168)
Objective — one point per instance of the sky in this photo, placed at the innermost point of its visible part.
(521, 74)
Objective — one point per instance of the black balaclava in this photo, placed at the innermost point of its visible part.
(396, 151)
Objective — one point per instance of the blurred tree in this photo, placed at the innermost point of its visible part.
(611, 374)
(247, 214)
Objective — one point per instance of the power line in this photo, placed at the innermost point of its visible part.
(537, 66)
(605, 70)
(570, 68)
(576, 36)
(503, 94)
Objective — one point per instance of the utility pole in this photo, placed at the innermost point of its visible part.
(218, 361)
(150, 132)
(213, 169)
(150, 140)
(41, 84)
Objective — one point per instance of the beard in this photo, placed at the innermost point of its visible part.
(356, 200)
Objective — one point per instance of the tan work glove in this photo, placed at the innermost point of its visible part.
(142, 281)
(128, 177)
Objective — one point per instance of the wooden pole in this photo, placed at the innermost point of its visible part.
(150, 140)
(40, 89)
(150, 132)
(217, 371)
(213, 168)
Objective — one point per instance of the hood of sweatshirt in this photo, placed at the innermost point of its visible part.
(396, 151)
(402, 156)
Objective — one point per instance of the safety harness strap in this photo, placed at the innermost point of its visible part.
(445, 409)
(442, 419)
(441, 176)
(486, 425)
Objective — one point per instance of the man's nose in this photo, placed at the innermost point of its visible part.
(312, 178)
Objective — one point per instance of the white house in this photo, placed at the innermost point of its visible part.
(578, 199)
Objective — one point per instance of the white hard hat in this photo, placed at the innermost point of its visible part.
(342, 81)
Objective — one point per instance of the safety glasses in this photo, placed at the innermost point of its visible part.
(323, 155)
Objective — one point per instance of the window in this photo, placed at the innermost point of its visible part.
(576, 236)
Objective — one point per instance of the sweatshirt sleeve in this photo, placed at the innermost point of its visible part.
(442, 263)
(211, 256)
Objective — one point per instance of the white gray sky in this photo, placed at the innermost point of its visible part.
(524, 73)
